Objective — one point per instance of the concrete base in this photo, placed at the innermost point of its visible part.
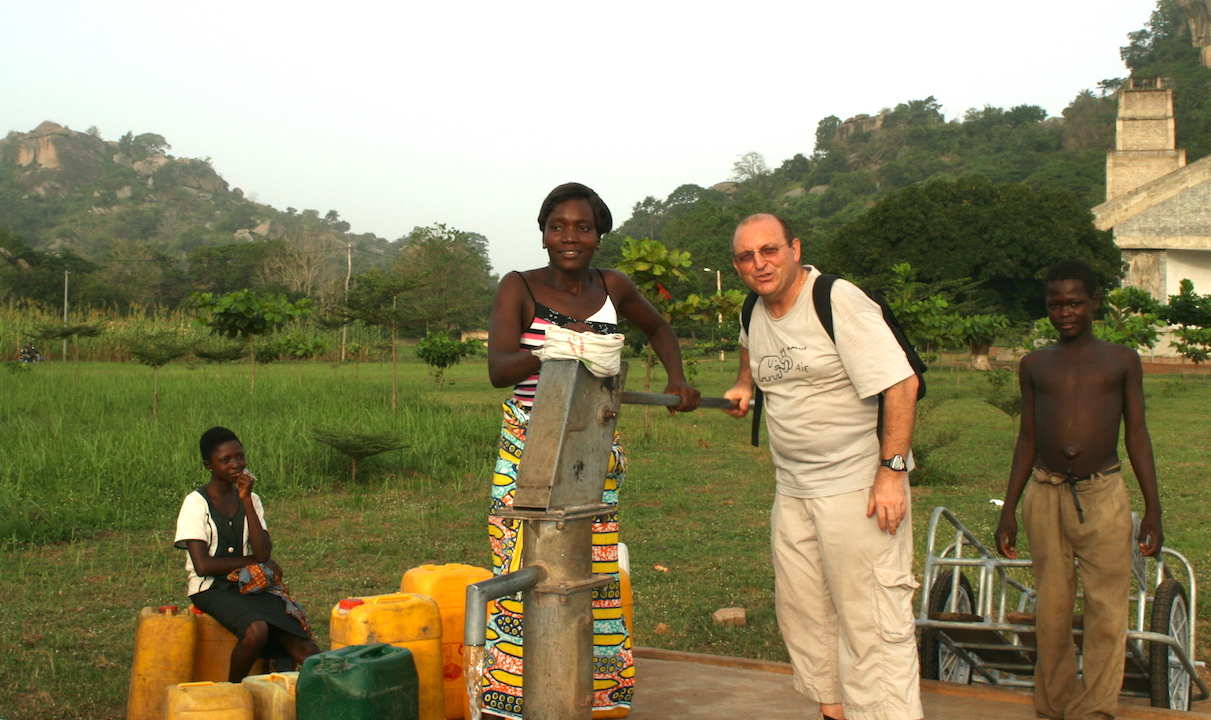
(671, 685)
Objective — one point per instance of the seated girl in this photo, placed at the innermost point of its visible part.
(232, 576)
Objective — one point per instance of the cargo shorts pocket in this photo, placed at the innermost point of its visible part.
(893, 604)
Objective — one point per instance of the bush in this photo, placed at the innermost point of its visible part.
(439, 351)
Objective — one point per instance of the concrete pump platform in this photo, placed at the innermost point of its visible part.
(673, 685)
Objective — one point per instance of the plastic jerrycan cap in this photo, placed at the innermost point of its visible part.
(349, 603)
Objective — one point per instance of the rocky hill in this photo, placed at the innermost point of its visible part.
(61, 189)
(56, 160)
(126, 209)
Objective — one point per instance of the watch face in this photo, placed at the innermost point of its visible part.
(896, 463)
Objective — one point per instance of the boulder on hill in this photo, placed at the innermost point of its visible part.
(148, 166)
(270, 230)
(200, 175)
(58, 159)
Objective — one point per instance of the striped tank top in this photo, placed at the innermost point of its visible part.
(604, 321)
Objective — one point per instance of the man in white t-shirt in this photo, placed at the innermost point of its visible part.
(841, 530)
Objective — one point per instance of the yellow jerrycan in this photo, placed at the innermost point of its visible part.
(164, 645)
(404, 620)
(208, 701)
(212, 654)
(447, 585)
(272, 695)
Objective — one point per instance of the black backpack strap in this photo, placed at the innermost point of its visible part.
(758, 401)
(746, 311)
(822, 299)
(746, 314)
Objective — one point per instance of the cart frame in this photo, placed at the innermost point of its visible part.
(999, 651)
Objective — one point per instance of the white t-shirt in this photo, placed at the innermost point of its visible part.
(821, 397)
(195, 523)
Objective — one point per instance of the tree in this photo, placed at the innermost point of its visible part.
(932, 320)
(647, 218)
(1003, 393)
(304, 260)
(749, 166)
(826, 133)
(924, 311)
(692, 219)
(247, 314)
(156, 350)
(439, 351)
(1089, 122)
(979, 332)
(452, 276)
(652, 266)
(138, 273)
(1002, 236)
(300, 346)
(1131, 317)
(68, 331)
(333, 218)
(1188, 307)
(138, 147)
(916, 112)
(1194, 344)
(1193, 313)
(212, 350)
(357, 446)
(375, 299)
(30, 274)
(147, 144)
(226, 268)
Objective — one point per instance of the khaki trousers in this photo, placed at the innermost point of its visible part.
(843, 594)
(1102, 546)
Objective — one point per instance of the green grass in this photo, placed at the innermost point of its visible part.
(81, 451)
(90, 486)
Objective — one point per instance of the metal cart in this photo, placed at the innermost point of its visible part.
(987, 634)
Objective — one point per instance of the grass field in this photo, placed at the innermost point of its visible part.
(90, 486)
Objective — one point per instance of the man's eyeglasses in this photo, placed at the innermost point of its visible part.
(769, 252)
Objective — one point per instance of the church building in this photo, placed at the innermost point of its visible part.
(1158, 206)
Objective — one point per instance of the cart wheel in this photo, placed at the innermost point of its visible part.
(1170, 684)
(938, 662)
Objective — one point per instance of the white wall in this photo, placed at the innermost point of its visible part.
(1194, 265)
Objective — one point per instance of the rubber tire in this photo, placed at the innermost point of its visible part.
(1167, 593)
(939, 597)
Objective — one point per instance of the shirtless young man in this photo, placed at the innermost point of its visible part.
(1074, 395)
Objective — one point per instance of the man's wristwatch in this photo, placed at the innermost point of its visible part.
(895, 463)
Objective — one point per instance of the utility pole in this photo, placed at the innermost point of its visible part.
(348, 274)
(65, 274)
(719, 292)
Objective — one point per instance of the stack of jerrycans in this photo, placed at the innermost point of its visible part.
(403, 620)
(447, 585)
(174, 648)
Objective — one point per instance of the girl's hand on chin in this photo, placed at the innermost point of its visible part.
(244, 484)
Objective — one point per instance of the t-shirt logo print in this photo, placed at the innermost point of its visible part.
(774, 367)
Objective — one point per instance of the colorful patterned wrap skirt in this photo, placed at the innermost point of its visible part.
(613, 663)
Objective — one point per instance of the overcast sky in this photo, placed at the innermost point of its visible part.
(469, 113)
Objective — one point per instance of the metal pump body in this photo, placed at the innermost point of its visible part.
(559, 485)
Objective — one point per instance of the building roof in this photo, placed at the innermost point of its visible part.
(1128, 205)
